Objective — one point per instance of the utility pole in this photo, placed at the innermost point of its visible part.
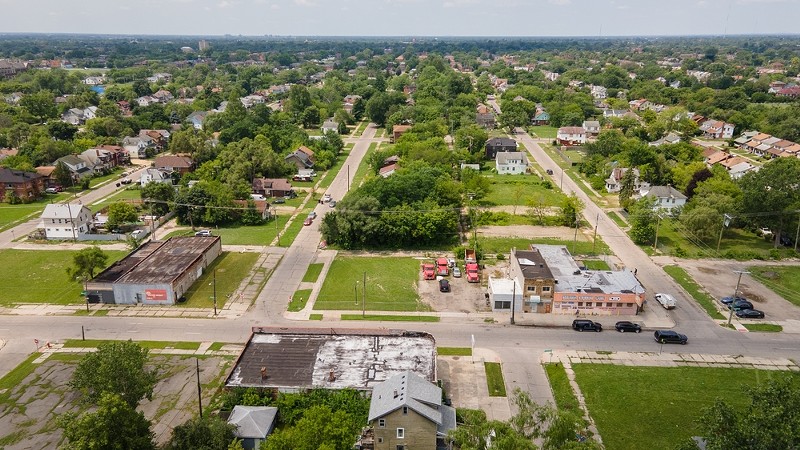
(199, 389)
(364, 297)
(215, 292)
(513, 298)
(594, 241)
(735, 293)
(658, 222)
(575, 241)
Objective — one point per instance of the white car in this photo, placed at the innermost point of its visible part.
(326, 198)
(456, 272)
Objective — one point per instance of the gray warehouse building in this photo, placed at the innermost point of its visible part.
(157, 273)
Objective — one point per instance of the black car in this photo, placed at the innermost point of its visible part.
(750, 314)
(670, 337)
(444, 286)
(586, 325)
(729, 300)
(624, 326)
(740, 304)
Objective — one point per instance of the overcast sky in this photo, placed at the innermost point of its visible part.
(403, 17)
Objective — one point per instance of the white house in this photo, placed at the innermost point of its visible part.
(614, 181)
(667, 197)
(330, 125)
(571, 135)
(511, 163)
(592, 127)
(65, 221)
(155, 176)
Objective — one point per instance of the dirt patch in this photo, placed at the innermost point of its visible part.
(28, 418)
(529, 231)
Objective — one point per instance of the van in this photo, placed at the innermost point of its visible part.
(670, 337)
(136, 234)
(257, 197)
(666, 300)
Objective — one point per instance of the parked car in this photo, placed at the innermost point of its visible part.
(729, 300)
(764, 231)
(308, 221)
(312, 215)
(444, 285)
(670, 337)
(301, 178)
(279, 200)
(51, 190)
(326, 198)
(451, 262)
(136, 234)
(456, 272)
(332, 203)
(750, 314)
(786, 240)
(740, 304)
(126, 181)
(624, 325)
(586, 325)
(204, 233)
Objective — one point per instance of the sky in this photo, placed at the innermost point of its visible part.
(403, 17)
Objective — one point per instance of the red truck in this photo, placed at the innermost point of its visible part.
(428, 272)
(442, 267)
(471, 266)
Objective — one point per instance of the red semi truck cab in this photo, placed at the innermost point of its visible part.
(441, 267)
(428, 272)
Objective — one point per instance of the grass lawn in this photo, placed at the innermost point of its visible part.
(97, 181)
(11, 215)
(518, 190)
(617, 219)
(315, 317)
(392, 318)
(216, 346)
(494, 379)
(313, 272)
(595, 264)
(504, 244)
(674, 239)
(299, 300)
(92, 343)
(658, 407)
(295, 226)
(231, 269)
(783, 280)
(454, 351)
(544, 131)
(39, 276)
(241, 234)
(694, 289)
(120, 196)
(391, 284)
(763, 327)
(364, 170)
(562, 391)
(330, 175)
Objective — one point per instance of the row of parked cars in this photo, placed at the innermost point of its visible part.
(625, 326)
(742, 307)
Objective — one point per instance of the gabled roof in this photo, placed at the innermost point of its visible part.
(501, 142)
(63, 211)
(173, 161)
(416, 393)
(16, 176)
(508, 157)
(71, 160)
(664, 192)
(571, 130)
(252, 422)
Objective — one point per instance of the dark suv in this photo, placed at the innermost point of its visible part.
(586, 325)
(670, 337)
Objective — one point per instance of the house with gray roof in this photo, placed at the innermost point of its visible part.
(511, 163)
(65, 220)
(253, 424)
(406, 411)
(667, 197)
(76, 166)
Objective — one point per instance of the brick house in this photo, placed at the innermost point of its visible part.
(23, 185)
(398, 131)
(534, 277)
(174, 163)
(272, 187)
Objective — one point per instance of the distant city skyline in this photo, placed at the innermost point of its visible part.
(404, 17)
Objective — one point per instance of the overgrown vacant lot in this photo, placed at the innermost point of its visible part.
(391, 284)
(520, 190)
(40, 276)
(658, 407)
(783, 280)
(32, 396)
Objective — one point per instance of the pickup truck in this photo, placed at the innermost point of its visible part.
(666, 300)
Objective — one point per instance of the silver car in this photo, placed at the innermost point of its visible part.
(456, 272)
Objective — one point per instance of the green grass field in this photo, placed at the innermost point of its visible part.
(312, 273)
(503, 245)
(11, 215)
(231, 269)
(295, 226)
(494, 379)
(389, 318)
(700, 296)
(595, 264)
(783, 280)
(120, 196)
(92, 343)
(391, 284)
(39, 276)
(658, 407)
(242, 234)
(299, 300)
(364, 170)
(562, 391)
(519, 190)
(544, 131)
(674, 239)
(763, 327)
(331, 173)
(617, 219)
(454, 351)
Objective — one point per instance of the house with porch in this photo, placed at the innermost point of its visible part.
(511, 163)
(76, 166)
(272, 187)
(614, 181)
(174, 163)
(302, 158)
(153, 175)
(666, 197)
(571, 136)
(65, 220)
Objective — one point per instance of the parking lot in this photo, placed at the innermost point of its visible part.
(463, 297)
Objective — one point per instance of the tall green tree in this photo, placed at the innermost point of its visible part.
(773, 193)
(116, 368)
(643, 220)
(120, 213)
(206, 433)
(160, 194)
(570, 210)
(86, 261)
(115, 425)
(62, 174)
(40, 104)
(627, 184)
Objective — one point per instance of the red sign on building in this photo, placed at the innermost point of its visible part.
(155, 294)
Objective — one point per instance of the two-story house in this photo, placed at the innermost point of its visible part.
(302, 158)
(529, 269)
(498, 144)
(76, 166)
(511, 163)
(272, 187)
(65, 220)
(151, 175)
(571, 136)
(174, 163)
(22, 185)
(666, 197)
(592, 127)
(614, 181)
(406, 413)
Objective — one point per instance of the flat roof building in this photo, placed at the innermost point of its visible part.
(297, 359)
(158, 272)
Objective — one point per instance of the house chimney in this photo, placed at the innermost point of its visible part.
(395, 393)
(331, 376)
(263, 374)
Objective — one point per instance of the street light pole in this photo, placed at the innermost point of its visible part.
(658, 223)
(735, 293)
(513, 298)
(215, 292)
(355, 291)
(364, 296)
